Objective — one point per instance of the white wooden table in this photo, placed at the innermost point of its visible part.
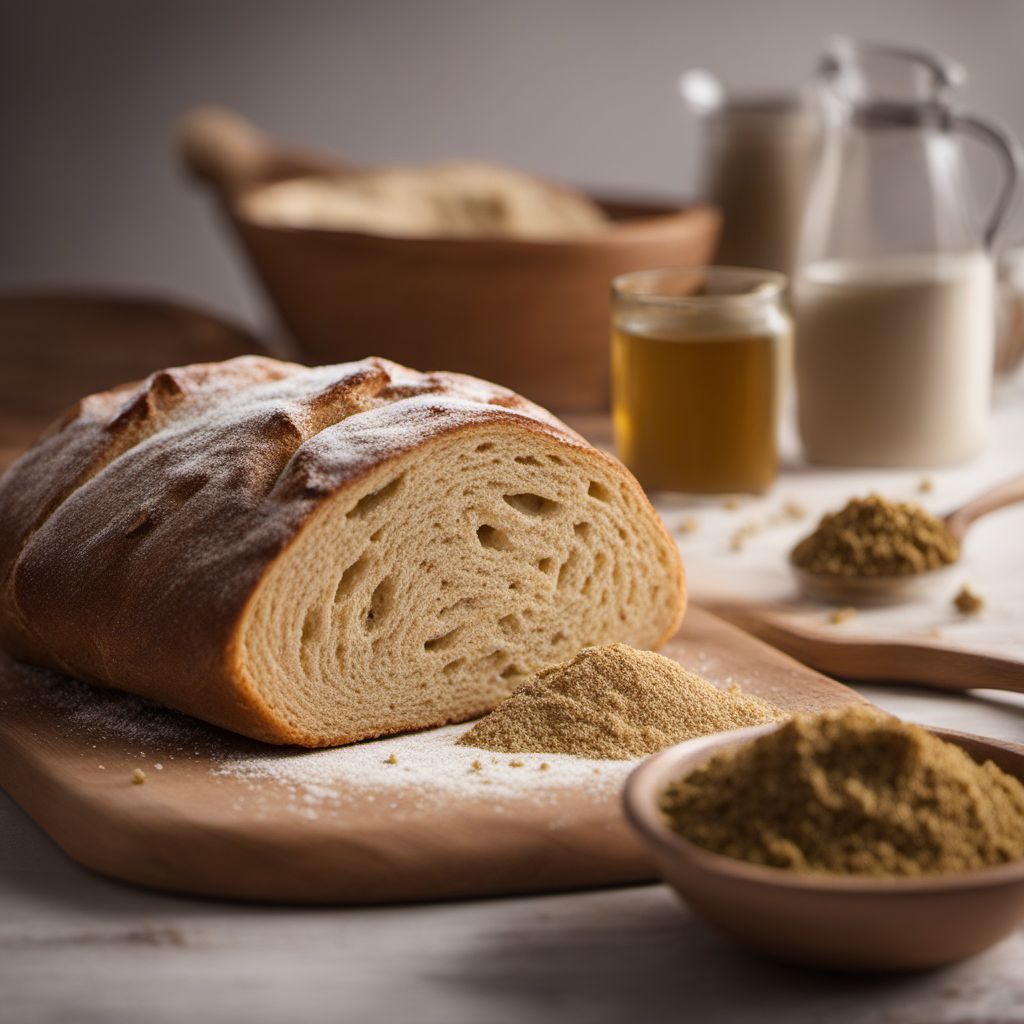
(77, 948)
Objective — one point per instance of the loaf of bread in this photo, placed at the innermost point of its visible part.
(461, 199)
(322, 555)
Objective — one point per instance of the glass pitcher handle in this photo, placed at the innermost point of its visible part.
(1009, 153)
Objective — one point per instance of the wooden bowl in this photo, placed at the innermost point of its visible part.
(837, 923)
(530, 314)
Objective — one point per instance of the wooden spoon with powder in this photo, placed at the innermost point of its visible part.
(849, 584)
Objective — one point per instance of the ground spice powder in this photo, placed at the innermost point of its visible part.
(614, 702)
(851, 792)
(873, 536)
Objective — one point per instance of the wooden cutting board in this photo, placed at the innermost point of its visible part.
(201, 825)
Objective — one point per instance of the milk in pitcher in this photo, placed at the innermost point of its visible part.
(894, 358)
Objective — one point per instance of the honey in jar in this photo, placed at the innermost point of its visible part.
(697, 358)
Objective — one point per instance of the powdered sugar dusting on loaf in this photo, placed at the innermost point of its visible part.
(384, 431)
(336, 419)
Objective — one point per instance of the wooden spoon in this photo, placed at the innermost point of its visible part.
(879, 590)
(834, 922)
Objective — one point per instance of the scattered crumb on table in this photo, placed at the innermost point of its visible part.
(839, 615)
(793, 510)
(742, 535)
(138, 777)
(968, 601)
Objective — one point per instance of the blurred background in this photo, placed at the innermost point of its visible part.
(582, 90)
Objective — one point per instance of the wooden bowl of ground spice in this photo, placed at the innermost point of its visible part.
(847, 840)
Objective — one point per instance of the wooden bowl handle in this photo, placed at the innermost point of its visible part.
(221, 148)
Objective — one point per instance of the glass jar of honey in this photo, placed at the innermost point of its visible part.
(698, 359)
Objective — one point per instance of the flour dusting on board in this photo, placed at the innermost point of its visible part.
(405, 774)
(430, 764)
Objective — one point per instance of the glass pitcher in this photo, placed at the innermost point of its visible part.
(894, 298)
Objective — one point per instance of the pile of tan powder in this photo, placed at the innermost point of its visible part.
(876, 537)
(614, 703)
(851, 792)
